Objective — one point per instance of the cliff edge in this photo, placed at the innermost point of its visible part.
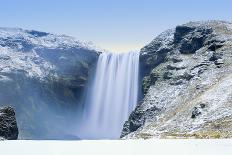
(187, 84)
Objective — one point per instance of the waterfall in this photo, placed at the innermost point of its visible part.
(111, 97)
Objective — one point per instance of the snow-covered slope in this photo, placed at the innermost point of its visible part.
(29, 50)
(42, 76)
(188, 84)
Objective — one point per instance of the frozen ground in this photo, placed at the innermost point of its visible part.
(117, 147)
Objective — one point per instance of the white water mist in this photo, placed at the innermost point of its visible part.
(111, 97)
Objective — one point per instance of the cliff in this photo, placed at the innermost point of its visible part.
(187, 84)
(42, 76)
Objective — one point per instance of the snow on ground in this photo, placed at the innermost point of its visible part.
(117, 147)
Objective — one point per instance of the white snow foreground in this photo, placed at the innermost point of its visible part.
(117, 147)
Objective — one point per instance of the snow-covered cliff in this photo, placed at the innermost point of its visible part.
(42, 76)
(187, 84)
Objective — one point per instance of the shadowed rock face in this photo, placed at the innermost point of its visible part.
(186, 84)
(42, 76)
(8, 124)
(189, 39)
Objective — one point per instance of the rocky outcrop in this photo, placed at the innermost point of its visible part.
(187, 84)
(43, 76)
(8, 124)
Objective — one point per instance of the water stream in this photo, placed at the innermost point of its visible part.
(112, 95)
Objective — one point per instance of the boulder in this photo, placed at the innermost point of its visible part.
(8, 124)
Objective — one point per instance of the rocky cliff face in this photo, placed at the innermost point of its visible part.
(187, 84)
(42, 76)
(8, 124)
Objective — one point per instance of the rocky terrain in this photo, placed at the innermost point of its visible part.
(42, 76)
(187, 84)
(8, 124)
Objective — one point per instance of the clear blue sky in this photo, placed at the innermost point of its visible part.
(117, 25)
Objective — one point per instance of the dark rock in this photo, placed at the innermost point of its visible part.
(219, 62)
(137, 119)
(190, 38)
(196, 112)
(171, 67)
(187, 76)
(191, 46)
(155, 53)
(176, 59)
(174, 67)
(215, 46)
(198, 86)
(151, 60)
(215, 56)
(8, 124)
(202, 105)
(181, 31)
(146, 83)
(201, 70)
(217, 59)
(37, 33)
(167, 75)
(177, 82)
(153, 77)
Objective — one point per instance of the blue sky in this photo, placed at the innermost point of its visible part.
(116, 25)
